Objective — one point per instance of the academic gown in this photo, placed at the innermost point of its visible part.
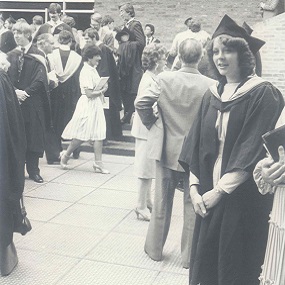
(229, 244)
(12, 159)
(36, 108)
(107, 67)
(65, 96)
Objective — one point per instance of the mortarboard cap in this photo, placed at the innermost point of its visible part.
(229, 27)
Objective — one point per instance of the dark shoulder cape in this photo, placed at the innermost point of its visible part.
(251, 115)
(229, 244)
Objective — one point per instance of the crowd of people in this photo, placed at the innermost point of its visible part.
(198, 113)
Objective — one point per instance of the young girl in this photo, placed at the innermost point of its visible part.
(88, 121)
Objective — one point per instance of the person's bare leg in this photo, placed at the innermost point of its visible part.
(98, 164)
(74, 144)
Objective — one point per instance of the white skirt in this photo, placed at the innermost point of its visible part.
(88, 121)
(273, 269)
(144, 167)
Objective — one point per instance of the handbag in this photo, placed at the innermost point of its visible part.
(22, 223)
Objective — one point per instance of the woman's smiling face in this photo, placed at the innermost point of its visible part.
(226, 60)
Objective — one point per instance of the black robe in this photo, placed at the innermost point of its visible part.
(64, 99)
(107, 67)
(12, 158)
(36, 108)
(229, 244)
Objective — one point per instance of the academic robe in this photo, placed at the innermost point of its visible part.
(36, 108)
(107, 67)
(12, 159)
(129, 67)
(67, 66)
(229, 244)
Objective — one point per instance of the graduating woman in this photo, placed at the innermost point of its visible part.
(221, 152)
(12, 173)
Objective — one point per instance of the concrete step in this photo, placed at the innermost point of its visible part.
(125, 146)
(121, 148)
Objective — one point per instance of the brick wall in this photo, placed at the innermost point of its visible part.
(168, 15)
(272, 31)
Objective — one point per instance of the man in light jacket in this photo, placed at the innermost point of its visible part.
(178, 95)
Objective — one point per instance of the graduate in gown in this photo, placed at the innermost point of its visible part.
(67, 65)
(12, 159)
(28, 73)
(55, 25)
(221, 151)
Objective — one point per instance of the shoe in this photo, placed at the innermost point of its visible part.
(98, 167)
(149, 207)
(63, 160)
(142, 215)
(37, 178)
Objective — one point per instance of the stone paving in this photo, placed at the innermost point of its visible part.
(86, 232)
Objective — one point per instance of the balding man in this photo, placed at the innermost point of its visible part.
(178, 95)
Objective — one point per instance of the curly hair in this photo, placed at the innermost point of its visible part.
(152, 53)
(245, 56)
(89, 51)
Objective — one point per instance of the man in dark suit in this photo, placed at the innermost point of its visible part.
(29, 76)
(178, 95)
(149, 32)
(7, 41)
(129, 85)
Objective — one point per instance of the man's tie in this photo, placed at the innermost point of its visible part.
(147, 41)
(48, 65)
(21, 61)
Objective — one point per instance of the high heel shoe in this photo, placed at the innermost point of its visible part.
(149, 207)
(63, 160)
(98, 167)
(141, 215)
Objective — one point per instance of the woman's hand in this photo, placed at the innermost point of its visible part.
(211, 198)
(197, 202)
(274, 172)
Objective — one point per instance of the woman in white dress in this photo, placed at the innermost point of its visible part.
(88, 121)
(270, 178)
(153, 61)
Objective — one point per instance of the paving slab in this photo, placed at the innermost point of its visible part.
(85, 231)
